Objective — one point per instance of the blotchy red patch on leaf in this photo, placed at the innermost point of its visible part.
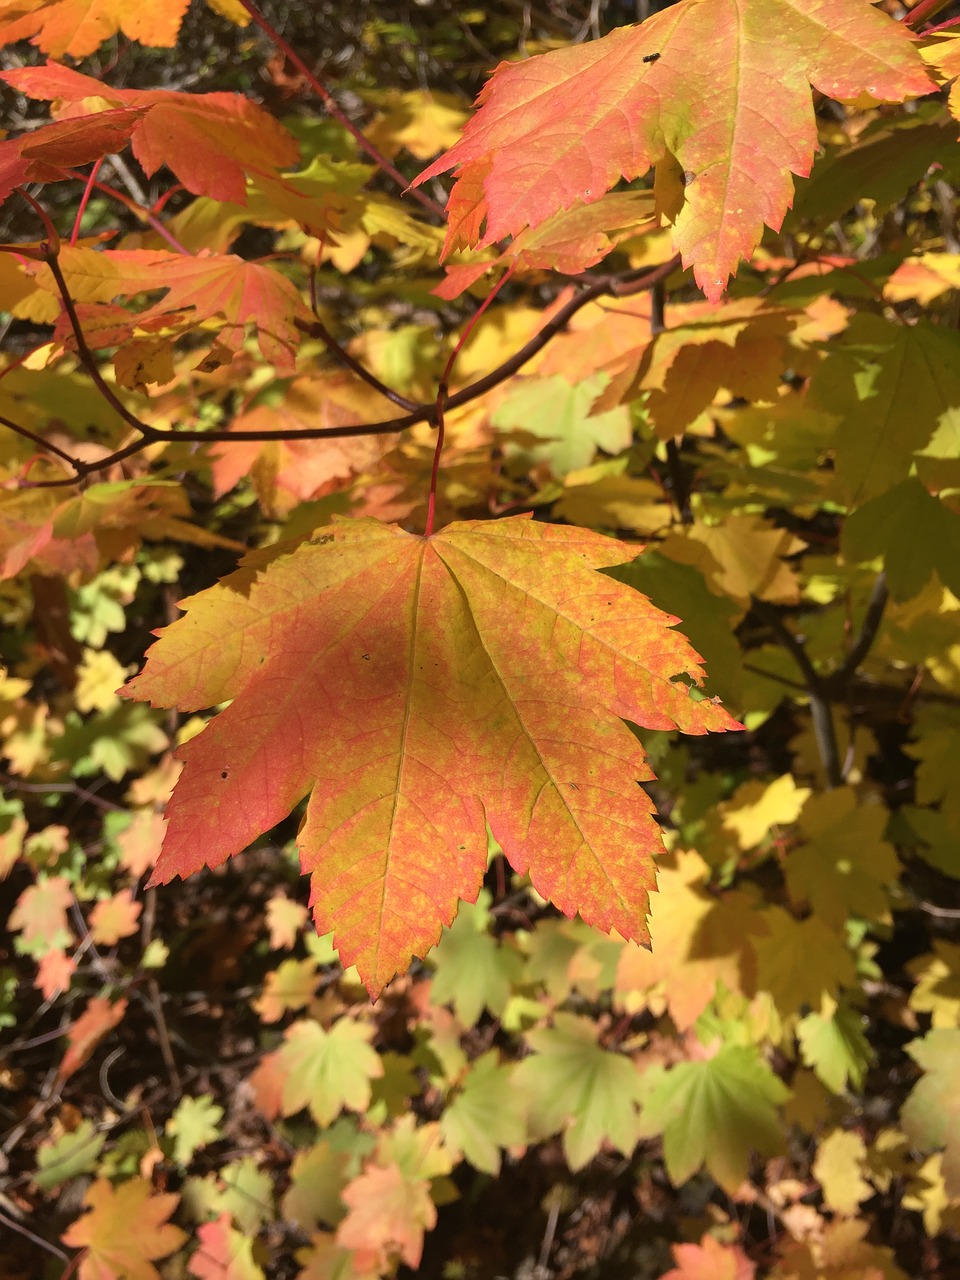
(420, 688)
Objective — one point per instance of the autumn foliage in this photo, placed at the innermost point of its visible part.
(529, 837)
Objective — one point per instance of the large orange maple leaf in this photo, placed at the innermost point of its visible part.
(420, 687)
(721, 86)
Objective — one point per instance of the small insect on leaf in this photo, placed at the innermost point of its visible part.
(650, 57)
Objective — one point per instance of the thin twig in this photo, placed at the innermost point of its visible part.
(331, 104)
(317, 329)
(868, 633)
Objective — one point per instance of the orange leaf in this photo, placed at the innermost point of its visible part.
(41, 914)
(223, 1253)
(98, 1018)
(211, 141)
(54, 972)
(710, 1260)
(420, 688)
(388, 1214)
(79, 27)
(115, 918)
(125, 1229)
(724, 102)
(206, 286)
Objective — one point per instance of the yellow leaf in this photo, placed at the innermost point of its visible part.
(756, 807)
(740, 558)
(98, 678)
(838, 1168)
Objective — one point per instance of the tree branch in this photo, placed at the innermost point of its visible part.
(629, 283)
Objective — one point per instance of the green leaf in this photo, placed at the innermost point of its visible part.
(71, 1155)
(327, 1070)
(193, 1124)
(833, 1044)
(714, 1112)
(706, 619)
(474, 970)
(913, 531)
(559, 411)
(247, 1194)
(891, 387)
(931, 1115)
(487, 1114)
(317, 1177)
(580, 1089)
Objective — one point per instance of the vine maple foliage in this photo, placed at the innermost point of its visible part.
(538, 429)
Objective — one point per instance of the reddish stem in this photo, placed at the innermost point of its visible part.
(443, 390)
(923, 12)
(331, 104)
(87, 192)
(52, 246)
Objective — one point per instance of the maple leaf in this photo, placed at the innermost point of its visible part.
(421, 686)
(124, 1231)
(475, 971)
(98, 1018)
(194, 1124)
(575, 1086)
(41, 915)
(211, 141)
(115, 918)
(388, 1213)
(323, 1070)
(713, 1112)
(709, 1260)
(931, 1114)
(838, 1168)
(698, 941)
(832, 1041)
(223, 1253)
(800, 961)
(894, 389)
(317, 1178)
(206, 286)
(565, 126)
(285, 919)
(79, 27)
(487, 1113)
(72, 1154)
(50, 153)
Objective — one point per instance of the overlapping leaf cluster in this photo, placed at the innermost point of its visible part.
(237, 351)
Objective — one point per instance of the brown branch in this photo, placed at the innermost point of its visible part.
(625, 285)
(868, 633)
(331, 104)
(823, 691)
(317, 329)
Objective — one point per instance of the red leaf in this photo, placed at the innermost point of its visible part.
(50, 152)
(420, 687)
(97, 1019)
(211, 141)
(728, 101)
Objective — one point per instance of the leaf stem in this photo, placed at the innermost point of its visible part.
(331, 104)
(84, 200)
(921, 13)
(443, 389)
